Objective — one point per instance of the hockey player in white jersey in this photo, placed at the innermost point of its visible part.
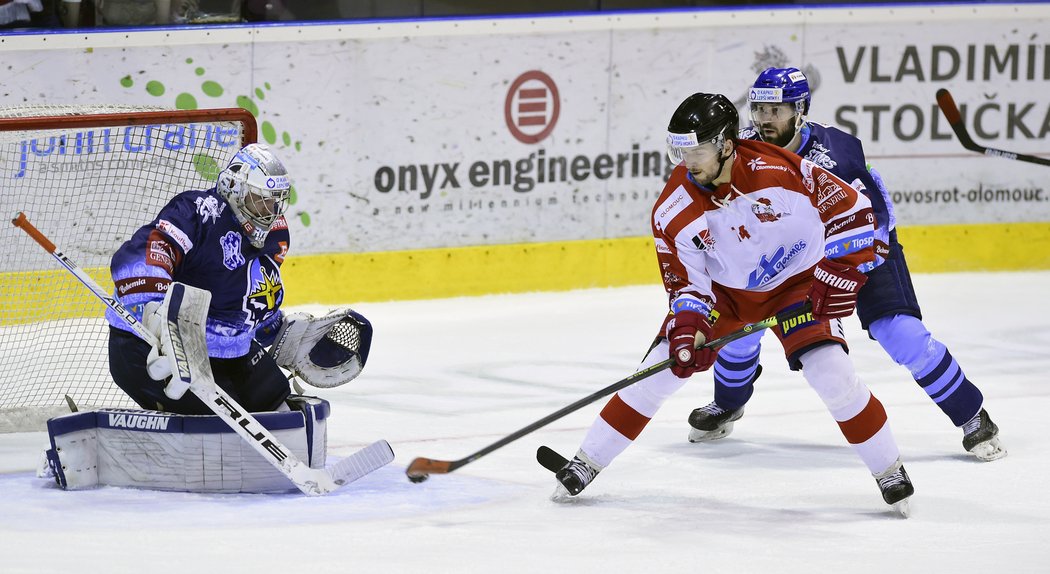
(887, 305)
(745, 230)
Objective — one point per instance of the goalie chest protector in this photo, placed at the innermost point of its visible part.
(163, 451)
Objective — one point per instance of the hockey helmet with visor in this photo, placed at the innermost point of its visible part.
(699, 128)
(775, 87)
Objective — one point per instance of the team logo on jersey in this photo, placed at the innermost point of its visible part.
(209, 208)
(818, 154)
(265, 289)
(703, 240)
(769, 266)
(763, 209)
(232, 257)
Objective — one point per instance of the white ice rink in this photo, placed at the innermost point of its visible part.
(446, 378)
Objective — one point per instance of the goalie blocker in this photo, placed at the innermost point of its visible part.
(192, 453)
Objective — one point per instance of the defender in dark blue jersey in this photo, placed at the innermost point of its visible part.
(231, 241)
(887, 305)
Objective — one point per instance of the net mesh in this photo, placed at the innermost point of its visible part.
(87, 178)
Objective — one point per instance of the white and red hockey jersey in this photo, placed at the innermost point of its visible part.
(776, 218)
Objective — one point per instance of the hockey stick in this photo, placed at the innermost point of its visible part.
(951, 112)
(187, 312)
(420, 468)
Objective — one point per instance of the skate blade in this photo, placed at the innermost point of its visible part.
(989, 450)
(902, 508)
(560, 494)
(697, 435)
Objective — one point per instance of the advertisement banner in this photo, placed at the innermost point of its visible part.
(542, 131)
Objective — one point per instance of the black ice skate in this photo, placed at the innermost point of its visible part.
(896, 487)
(981, 437)
(575, 476)
(712, 422)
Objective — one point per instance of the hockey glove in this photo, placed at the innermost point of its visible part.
(324, 351)
(834, 290)
(157, 364)
(685, 331)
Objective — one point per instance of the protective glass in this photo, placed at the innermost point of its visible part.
(772, 112)
(685, 148)
(693, 154)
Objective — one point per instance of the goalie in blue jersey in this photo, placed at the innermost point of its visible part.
(231, 241)
(887, 305)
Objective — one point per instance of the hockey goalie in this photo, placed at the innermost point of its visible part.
(222, 250)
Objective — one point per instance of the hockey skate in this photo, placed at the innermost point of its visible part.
(981, 437)
(574, 476)
(712, 422)
(896, 488)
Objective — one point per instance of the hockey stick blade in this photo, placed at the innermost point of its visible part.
(421, 468)
(946, 102)
(550, 460)
(361, 463)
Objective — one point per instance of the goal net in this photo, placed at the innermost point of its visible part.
(87, 177)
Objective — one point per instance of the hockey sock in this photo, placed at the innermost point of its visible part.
(735, 372)
(909, 343)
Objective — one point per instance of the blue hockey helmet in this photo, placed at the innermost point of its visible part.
(777, 85)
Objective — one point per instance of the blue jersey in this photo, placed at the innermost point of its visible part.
(196, 239)
(843, 155)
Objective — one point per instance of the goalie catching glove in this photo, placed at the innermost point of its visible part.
(323, 351)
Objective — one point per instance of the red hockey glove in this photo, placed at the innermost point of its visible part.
(834, 290)
(685, 331)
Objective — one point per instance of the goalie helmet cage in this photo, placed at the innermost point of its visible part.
(88, 177)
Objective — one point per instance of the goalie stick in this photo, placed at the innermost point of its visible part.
(187, 312)
(421, 468)
(951, 112)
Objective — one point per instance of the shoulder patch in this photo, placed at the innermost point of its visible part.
(176, 234)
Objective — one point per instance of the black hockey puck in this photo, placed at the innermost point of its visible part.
(418, 478)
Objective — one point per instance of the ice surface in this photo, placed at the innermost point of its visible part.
(446, 378)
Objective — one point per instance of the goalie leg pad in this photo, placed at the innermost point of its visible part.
(162, 451)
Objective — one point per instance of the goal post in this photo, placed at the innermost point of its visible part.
(88, 177)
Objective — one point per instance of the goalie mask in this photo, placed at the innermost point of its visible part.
(256, 186)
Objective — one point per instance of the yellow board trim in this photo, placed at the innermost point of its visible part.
(343, 278)
(558, 266)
